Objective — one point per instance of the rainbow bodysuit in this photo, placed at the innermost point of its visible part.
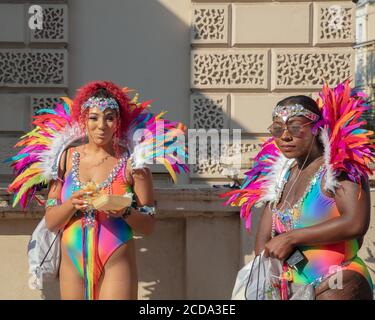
(322, 260)
(91, 240)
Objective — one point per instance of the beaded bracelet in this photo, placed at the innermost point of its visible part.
(52, 202)
(151, 211)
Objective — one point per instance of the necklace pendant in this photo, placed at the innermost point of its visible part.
(89, 218)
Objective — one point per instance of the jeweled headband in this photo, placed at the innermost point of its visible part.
(286, 112)
(101, 103)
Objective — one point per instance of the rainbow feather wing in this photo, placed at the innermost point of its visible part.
(36, 163)
(255, 188)
(348, 147)
(154, 139)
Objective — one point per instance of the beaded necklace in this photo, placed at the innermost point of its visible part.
(291, 216)
(106, 183)
(89, 214)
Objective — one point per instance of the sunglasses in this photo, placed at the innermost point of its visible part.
(295, 129)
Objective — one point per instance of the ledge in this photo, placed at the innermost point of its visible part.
(177, 202)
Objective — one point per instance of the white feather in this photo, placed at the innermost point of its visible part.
(330, 182)
(275, 178)
(50, 158)
(138, 159)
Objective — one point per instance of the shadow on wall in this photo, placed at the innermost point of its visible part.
(141, 44)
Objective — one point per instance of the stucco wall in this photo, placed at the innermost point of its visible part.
(248, 55)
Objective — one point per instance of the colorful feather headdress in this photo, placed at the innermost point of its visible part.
(347, 148)
(347, 144)
(158, 141)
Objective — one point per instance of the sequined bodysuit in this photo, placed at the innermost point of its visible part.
(91, 240)
(322, 260)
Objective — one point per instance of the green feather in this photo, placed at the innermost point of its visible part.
(37, 179)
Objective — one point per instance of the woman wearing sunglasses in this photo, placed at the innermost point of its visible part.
(312, 174)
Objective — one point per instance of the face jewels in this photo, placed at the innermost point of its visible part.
(295, 110)
(101, 103)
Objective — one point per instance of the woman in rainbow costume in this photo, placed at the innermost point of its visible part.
(93, 141)
(312, 176)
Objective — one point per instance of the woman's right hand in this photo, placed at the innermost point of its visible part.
(77, 202)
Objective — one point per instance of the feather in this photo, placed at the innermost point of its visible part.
(160, 143)
(261, 184)
(347, 144)
(37, 162)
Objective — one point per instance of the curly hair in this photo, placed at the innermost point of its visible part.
(105, 89)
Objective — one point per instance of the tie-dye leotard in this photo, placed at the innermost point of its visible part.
(90, 247)
(322, 260)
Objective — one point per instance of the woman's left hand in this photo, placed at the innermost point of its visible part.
(279, 247)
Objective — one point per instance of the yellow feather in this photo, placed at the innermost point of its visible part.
(168, 167)
(27, 185)
(33, 169)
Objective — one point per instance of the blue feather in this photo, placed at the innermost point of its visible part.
(359, 131)
(50, 111)
(66, 109)
(15, 158)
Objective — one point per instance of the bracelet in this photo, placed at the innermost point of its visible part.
(151, 211)
(52, 203)
(127, 212)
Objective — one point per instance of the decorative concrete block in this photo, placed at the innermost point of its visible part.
(55, 25)
(33, 68)
(229, 69)
(209, 24)
(214, 169)
(334, 22)
(310, 68)
(208, 111)
(45, 101)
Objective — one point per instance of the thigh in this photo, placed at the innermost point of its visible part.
(354, 287)
(119, 280)
(71, 283)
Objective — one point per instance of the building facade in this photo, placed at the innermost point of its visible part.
(365, 52)
(210, 64)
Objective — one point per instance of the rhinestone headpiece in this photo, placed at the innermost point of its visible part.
(286, 112)
(101, 103)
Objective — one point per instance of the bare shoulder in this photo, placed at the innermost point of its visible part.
(346, 185)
